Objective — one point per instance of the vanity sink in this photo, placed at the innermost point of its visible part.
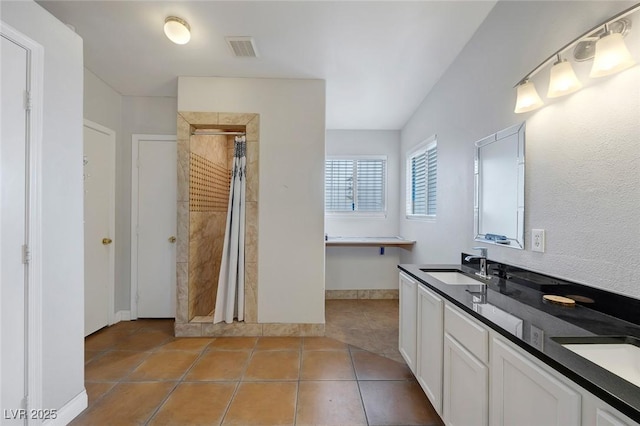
(452, 277)
(619, 355)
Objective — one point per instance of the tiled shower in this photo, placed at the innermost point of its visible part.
(210, 162)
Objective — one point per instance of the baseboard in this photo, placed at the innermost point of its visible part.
(69, 411)
(122, 316)
(361, 294)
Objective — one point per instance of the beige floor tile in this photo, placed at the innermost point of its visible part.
(278, 343)
(91, 355)
(329, 403)
(164, 365)
(233, 343)
(268, 404)
(326, 365)
(195, 404)
(323, 344)
(219, 366)
(104, 339)
(143, 340)
(114, 365)
(95, 390)
(371, 366)
(397, 403)
(273, 365)
(158, 324)
(186, 344)
(345, 320)
(395, 355)
(126, 404)
(339, 306)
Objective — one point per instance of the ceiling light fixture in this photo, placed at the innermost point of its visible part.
(177, 30)
(611, 56)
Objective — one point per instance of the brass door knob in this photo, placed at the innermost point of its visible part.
(172, 240)
(107, 241)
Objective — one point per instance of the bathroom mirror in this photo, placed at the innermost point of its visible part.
(499, 188)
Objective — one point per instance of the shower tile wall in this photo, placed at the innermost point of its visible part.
(209, 192)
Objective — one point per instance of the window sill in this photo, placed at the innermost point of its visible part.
(421, 218)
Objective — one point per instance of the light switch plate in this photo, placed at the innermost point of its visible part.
(537, 240)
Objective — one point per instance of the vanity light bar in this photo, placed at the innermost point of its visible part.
(532, 101)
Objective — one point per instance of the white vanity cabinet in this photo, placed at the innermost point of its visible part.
(408, 330)
(466, 374)
(475, 376)
(523, 392)
(429, 343)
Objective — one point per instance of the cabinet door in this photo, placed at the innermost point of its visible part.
(523, 393)
(429, 354)
(465, 391)
(595, 412)
(408, 332)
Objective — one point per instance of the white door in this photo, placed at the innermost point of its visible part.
(154, 195)
(13, 230)
(99, 212)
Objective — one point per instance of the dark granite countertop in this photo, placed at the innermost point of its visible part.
(519, 293)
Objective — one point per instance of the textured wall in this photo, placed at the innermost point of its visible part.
(582, 155)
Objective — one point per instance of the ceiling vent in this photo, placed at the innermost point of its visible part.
(242, 47)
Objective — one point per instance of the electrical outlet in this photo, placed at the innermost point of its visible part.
(537, 337)
(537, 240)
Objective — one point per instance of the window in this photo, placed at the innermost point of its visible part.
(355, 185)
(422, 177)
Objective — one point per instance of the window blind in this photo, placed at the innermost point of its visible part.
(355, 185)
(422, 181)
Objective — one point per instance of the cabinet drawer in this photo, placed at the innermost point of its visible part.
(471, 334)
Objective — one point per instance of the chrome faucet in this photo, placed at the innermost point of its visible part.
(483, 262)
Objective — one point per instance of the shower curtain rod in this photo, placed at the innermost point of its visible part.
(218, 133)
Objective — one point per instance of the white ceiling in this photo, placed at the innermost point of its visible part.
(379, 59)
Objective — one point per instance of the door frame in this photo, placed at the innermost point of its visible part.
(112, 213)
(33, 336)
(135, 144)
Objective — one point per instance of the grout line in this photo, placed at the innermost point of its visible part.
(239, 381)
(353, 365)
(153, 414)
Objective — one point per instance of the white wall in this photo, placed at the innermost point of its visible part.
(126, 115)
(62, 208)
(351, 268)
(582, 156)
(291, 201)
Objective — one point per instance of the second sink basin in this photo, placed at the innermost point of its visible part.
(453, 278)
(621, 356)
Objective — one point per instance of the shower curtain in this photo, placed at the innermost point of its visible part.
(230, 297)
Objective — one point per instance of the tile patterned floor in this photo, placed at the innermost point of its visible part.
(138, 373)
